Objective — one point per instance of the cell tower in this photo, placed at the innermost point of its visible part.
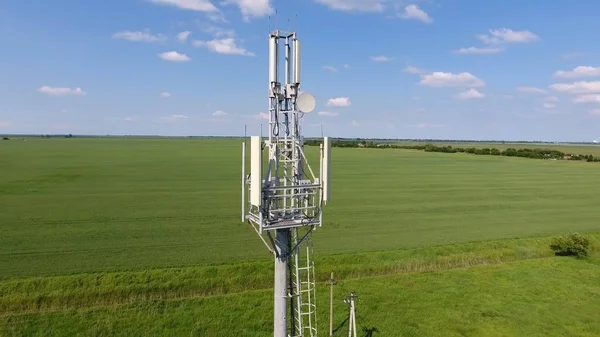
(285, 201)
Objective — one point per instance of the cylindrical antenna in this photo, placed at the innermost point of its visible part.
(296, 61)
(287, 61)
(272, 63)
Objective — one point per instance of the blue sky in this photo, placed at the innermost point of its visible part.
(467, 69)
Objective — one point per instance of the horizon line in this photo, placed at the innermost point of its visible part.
(31, 135)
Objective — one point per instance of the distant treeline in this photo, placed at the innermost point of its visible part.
(510, 152)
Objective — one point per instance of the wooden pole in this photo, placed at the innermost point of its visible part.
(331, 280)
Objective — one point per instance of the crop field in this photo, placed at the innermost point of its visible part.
(117, 236)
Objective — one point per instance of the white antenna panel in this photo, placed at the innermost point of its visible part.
(255, 171)
(326, 167)
(306, 102)
(297, 61)
(273, 59)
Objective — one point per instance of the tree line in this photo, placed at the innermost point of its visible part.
(536, 153)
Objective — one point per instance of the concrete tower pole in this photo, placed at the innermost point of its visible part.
(282, 240)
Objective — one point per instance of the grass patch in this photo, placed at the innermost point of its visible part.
(102, 289)
(519, 298)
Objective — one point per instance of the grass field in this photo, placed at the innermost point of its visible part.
(114, 236)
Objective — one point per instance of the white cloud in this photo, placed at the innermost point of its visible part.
(440, 79)
(328, 113)
(478, 50)
(577, 88)
(59, 91)
(427, 125)
(380, 58)
(220, 113)
(139, 36)
(354, 5)
(414, 70)
(414, 12)
(183, 36)
(595, 112)
(531, 90)
(252, 8)
(217, 17)
(551, 99)
(549, 105)
(5, 124)
(591, 98)
(223, 46)
(339, 102)
(165, 94)
(330, 68)
(192, 5)
(346, 66)
(174, 56)
(581, 71)
(174, 118)
(218, 31)
(469, 94)
(505, 35)
(263, 115)
(354, 123)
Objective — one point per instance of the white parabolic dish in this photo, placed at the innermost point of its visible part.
(306, 102)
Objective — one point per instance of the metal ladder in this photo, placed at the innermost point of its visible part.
(304, 290)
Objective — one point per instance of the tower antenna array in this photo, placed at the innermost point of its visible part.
(284, 202)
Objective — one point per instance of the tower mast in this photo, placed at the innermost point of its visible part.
(287, 199)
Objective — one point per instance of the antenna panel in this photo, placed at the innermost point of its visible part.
(255, 171)
(326, 167)
(297, 61)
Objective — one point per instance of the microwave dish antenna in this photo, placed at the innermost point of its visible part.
(306, 103)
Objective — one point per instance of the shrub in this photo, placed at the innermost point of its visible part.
(573, 244)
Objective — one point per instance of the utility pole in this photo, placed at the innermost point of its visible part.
(331, 282)
(352, 320)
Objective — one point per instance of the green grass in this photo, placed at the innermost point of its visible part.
(86, 205)
(142, 236)
(543, 297)
(112, 288)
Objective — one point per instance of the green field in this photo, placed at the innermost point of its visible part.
(120, 236)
